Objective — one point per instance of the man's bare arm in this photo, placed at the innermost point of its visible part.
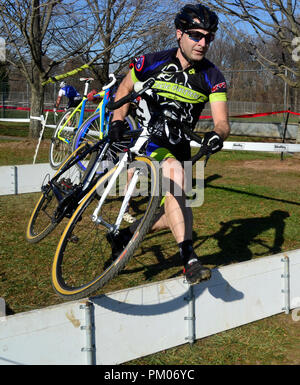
(124, 89)
(220, 118)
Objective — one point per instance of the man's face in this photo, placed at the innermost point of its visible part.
(195, 42)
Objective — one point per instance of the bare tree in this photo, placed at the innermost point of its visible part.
(40, 35)
(126, 29)
(257, 24)
(224, 53)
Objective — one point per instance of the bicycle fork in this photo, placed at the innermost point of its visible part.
(95, 216)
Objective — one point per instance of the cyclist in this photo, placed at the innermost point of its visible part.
(74, 97)
(185, 81)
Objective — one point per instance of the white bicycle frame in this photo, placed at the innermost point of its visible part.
(95, 216)
(120, 167)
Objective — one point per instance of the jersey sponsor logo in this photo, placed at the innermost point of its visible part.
(140, 63)
(220, 86)
(179, 92)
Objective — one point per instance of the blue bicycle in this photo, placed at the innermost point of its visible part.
(96, 126)
(72, 129)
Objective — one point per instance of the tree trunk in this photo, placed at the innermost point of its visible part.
(37, 92)
(36, 106)
(103, 70)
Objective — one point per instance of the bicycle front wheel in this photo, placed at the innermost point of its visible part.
(62, 140)
(83, 261)
(46, 215)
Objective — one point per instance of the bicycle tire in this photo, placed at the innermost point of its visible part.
(82, 263)
(89, 131)
(43, 219)
(60, 150)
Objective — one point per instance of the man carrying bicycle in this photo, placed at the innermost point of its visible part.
(74, 97)
(185, 81)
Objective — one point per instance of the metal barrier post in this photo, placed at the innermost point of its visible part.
(298, 134)
(88, 328)
(286, 284)
(191, 315)
(2, 307)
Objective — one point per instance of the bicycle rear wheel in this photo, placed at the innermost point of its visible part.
(90, 132)
(46, 215)
(61, 142)
(83, 262)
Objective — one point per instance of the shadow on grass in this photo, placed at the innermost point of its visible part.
(236, 236)
(162, 263)
(229, 189)
(234, 239)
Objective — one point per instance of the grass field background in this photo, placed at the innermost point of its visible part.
(251, 209)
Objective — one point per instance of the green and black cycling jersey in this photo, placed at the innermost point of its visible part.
(182, 95)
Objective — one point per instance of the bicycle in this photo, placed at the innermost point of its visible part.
(62, 141)
(96, 128)
(61, 194)
(82, 263)
(71, 174)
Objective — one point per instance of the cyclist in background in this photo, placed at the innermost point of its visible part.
(185, 81)
(74, 97)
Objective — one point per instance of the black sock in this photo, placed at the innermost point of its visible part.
(186, 250)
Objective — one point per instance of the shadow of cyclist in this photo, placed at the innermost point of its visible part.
(236, 236)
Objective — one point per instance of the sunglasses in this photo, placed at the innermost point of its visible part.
(197, 36)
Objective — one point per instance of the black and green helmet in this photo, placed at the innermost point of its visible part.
(208, 20)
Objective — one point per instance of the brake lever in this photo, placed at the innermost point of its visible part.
(205, 151)
(206, 159)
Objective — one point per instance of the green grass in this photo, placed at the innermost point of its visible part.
(21, 130)
(17, 152)
(238, 221)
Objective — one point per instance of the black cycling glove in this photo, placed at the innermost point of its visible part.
(212, 141)
(116, 130)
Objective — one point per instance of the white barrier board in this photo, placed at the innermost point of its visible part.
(136, 322)
(24, 178)
(258, 146)
(7, 180)
(15, 120)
